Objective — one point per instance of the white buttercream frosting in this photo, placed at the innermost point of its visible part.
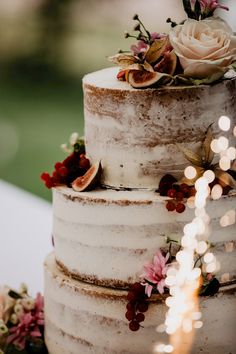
(134, 132)
(83, 318)
(107, 236)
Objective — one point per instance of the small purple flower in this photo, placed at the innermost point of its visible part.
(155, 273)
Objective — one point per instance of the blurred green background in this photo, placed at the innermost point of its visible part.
(46, 46)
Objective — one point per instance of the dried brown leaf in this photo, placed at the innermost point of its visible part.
(191, 156)
(156, 49)
(208, 153)
(123, 60)
(225, 178)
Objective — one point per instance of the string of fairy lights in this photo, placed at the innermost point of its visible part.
(184, 276)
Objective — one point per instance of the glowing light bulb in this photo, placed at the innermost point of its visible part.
(215, 147)
(228, 218)
(168, 349)
(211, 268)
(216, 192)
(209, 257)
(225, 163)
(201, 183)
(223, 143)
(209, 175)
(198, 324)
(201, 247)
(231, 153)
(224, 123)
(190, 172)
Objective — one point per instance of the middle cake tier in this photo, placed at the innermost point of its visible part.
(105, 237)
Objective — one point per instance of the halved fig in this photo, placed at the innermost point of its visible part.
(143, 78)
(167, 64)
(89, 180)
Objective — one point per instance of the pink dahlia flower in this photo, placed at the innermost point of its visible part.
(155, 273)
(29, 325)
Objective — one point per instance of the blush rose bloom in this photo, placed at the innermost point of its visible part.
(204, 48)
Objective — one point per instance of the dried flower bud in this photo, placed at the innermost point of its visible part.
(3, 328)
(19, 310)
(28, 303)
(137, 27)
(14, 319)
(135, 17)
(23, 289)
(74, 138)
(65, 148)
(126, 34)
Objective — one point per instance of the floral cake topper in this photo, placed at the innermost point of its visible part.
(200, 50)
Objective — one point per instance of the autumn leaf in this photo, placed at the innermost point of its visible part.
(225, 178)
(156, 50)
(123, 60)
(208, 153)
(191, 156)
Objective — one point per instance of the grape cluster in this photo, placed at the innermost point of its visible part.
(65, 172)
(136, 306)
(177, 192)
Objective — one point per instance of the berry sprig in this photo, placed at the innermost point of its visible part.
(65, 172)
(137, 306)
(177, 192)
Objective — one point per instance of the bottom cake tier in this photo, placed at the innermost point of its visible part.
(81, 318)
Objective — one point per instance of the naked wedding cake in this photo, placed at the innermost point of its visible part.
(121, 230)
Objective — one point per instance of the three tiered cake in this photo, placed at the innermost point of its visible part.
(104, 237)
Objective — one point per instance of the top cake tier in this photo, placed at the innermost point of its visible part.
(134, 131)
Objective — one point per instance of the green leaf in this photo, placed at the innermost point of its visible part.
(233, 65)
(191, 156)
(208, 80)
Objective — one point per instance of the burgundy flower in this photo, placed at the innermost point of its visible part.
(155, 273)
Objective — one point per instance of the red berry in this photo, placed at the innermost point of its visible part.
(63, 171)
(142, 306)
(137, 288)
(84, 163)
(130, 315)
(184, 188)
(180, 208)
(131, 296)
(192, 192)
(170, 206)
(130, 306)
(134, 326)
(55, 174)
(140, 317)
(171, 193)
(49, 184)
(58, 165)
(179, 196)
(45, 176)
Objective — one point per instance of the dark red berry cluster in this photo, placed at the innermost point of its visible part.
(136, 306)
(177, 192)
(75, 165)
